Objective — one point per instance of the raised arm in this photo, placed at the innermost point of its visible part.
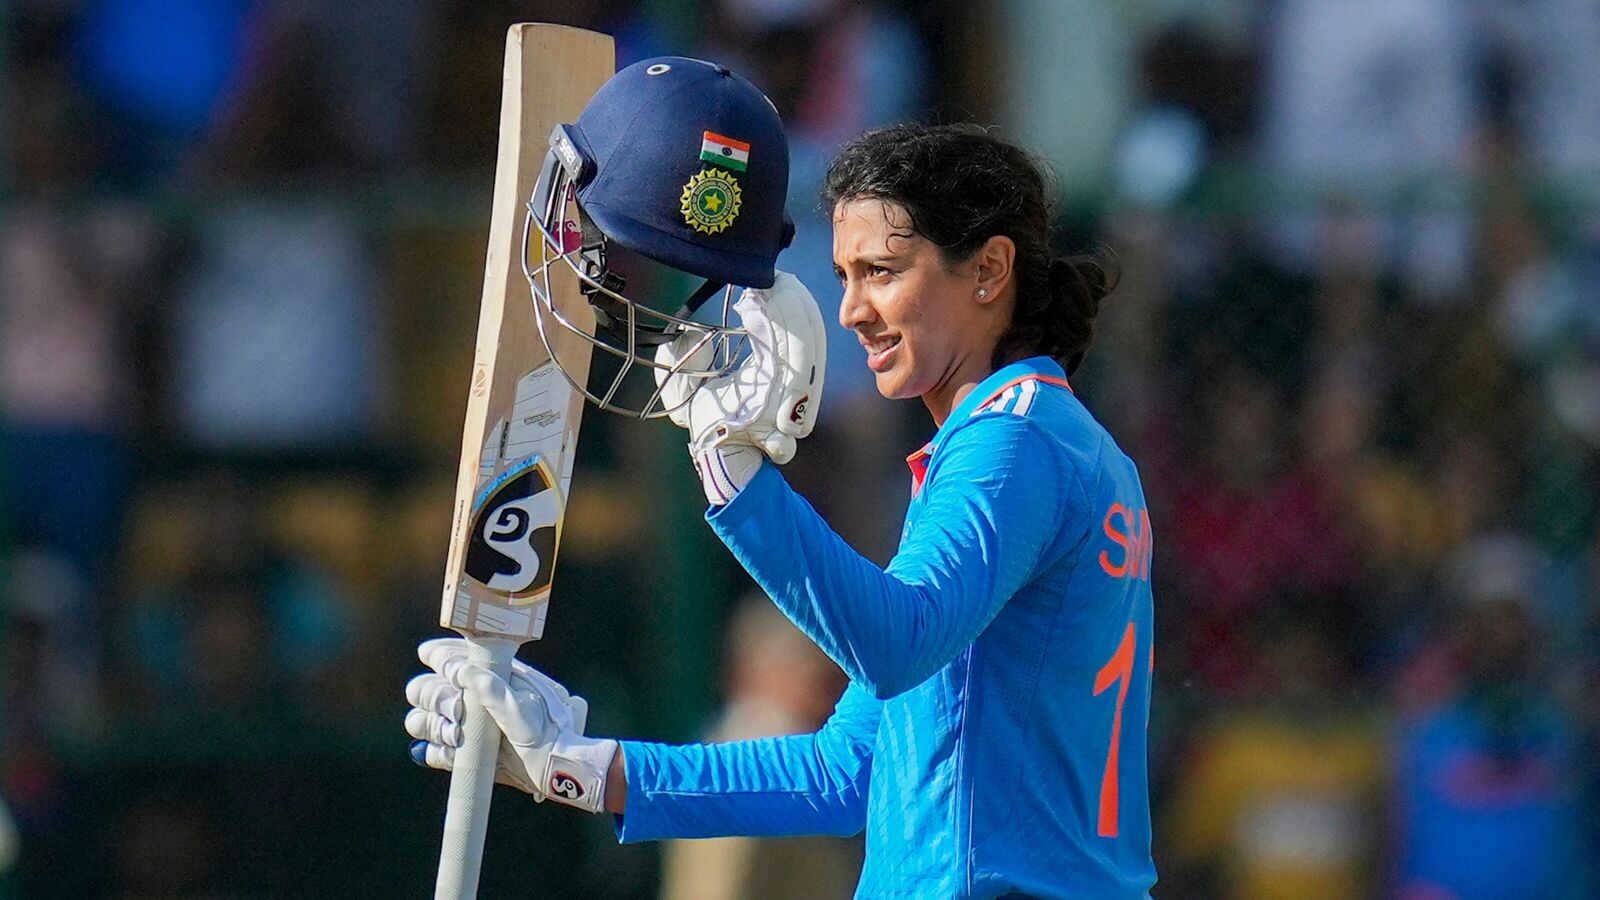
(992, 506)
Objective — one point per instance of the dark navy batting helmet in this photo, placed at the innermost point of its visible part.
(681, 162)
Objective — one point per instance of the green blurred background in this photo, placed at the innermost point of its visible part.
(1356, 354)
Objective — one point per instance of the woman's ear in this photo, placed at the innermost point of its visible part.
(992, 268)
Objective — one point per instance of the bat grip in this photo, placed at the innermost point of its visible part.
(466, 817)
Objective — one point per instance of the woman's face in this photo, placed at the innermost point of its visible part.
(926, 330)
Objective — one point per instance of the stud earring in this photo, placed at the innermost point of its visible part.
(982, 293)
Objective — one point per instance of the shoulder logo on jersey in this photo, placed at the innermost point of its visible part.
(710, 200)
(1129, 532)
(515, 527)
(1016, 399)
(1018, 396)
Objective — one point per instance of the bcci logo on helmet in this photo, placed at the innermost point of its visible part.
(710, 201)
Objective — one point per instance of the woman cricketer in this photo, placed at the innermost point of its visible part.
(992, 739)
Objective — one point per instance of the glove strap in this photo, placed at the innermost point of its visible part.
(576, 772)
(725, 469)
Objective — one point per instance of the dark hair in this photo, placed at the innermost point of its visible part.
(960, 186)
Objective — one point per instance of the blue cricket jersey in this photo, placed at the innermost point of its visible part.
(992, 738)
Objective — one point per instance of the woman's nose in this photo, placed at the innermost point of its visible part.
(853, 307)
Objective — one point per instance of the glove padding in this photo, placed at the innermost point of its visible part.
(438, 707)
(542, 748)
(771, 398)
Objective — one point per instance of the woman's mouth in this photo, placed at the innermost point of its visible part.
(880, 352)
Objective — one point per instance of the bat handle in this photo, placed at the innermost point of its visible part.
(466, 817)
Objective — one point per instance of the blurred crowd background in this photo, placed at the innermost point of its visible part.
(1356, 354)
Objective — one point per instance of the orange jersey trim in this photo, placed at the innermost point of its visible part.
(1047, 379)
(918, 464)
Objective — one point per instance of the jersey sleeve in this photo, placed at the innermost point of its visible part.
(990, 507)
(800, 784)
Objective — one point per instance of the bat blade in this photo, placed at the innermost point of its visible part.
(521, 424)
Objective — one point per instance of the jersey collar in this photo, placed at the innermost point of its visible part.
(989, 388)
(1043, 367)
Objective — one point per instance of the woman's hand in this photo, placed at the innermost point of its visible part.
(542, 748)
(766, 403)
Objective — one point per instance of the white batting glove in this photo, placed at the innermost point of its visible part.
(437, 711)
(542, 748)
(765, 404)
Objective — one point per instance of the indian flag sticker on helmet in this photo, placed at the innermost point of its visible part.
(725, 151)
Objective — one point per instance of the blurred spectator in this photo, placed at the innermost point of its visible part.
(1537, 308)
(1280, 794)
(64, 381)
(1066, 81)
(47, 114)
(1129, 376)
(1244, 530)
(1542, 307)
(1477, 487)
(158, 72)
(55, 662)
(277, 329)
(1374, 99)
(278, 333)
(8, 841)
(325, 90)
(39, 647)
(1371, 87)
(236, 618)
(778, 683)
(1543, 75)
(1380, 517)
(1488, 767)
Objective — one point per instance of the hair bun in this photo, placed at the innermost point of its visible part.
(1083, 280)
(1067, 284)
(1077, 284)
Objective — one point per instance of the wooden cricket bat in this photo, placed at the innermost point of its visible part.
(521, 424)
